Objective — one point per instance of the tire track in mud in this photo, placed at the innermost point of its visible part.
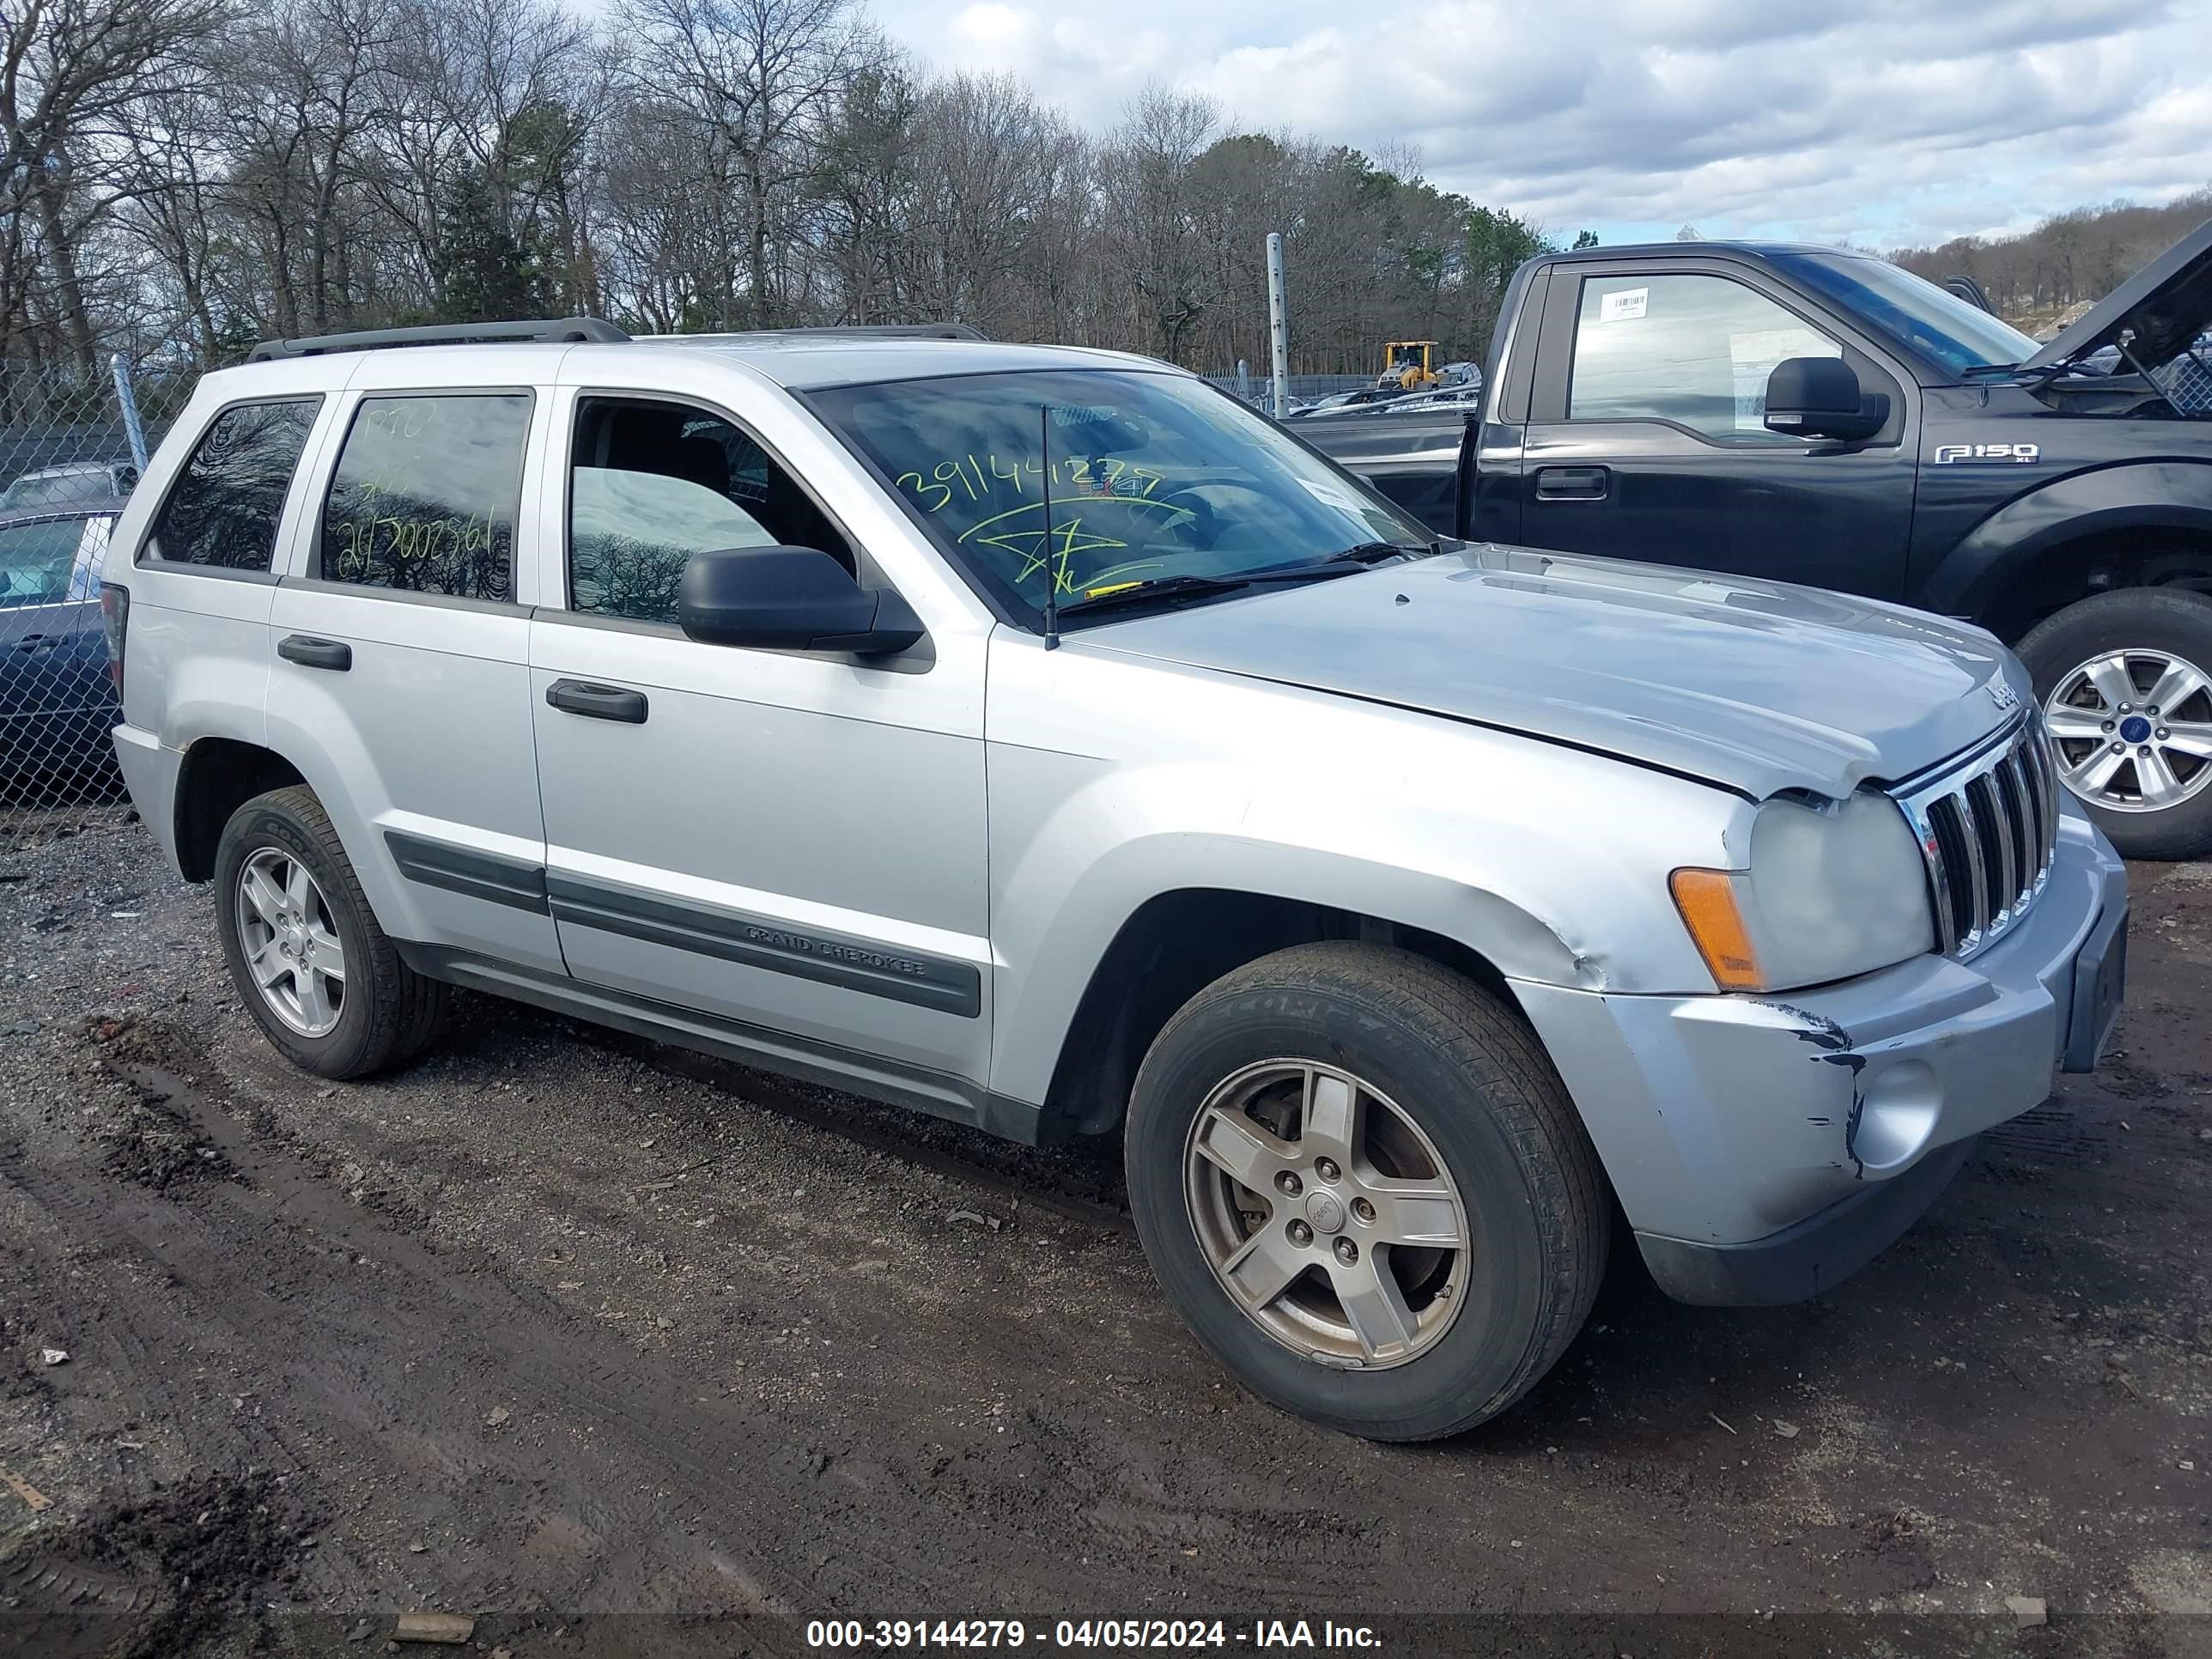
(393, 1362)
(1072, 1182)
(1063, 1472)
(379, 1356)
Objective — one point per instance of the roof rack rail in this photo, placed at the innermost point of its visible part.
(892, 331)
(833, 331)
(548, 331)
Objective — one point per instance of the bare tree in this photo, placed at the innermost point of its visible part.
(762, 78)
(2070, 258)
(1155, 213)
(71, 73)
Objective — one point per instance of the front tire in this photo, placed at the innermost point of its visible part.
(1362, 1183)
(311, 964)
(2126, 682)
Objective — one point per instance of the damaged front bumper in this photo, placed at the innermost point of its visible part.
(1766, 1147)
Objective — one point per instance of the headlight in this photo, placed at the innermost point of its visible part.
(1831, 892)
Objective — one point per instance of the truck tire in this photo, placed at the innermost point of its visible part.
(2133, 668)
(311, 963)
(1364, 1094)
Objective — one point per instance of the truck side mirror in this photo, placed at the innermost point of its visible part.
(1821, 398)
(789, 598)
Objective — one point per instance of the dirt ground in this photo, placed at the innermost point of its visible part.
(621, 1351)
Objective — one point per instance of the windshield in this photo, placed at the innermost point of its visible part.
(1917, 314)
(1152, 477)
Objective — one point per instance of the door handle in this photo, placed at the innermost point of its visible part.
(308, 653)
(39, 641)
(598, 703)
(1571, 483)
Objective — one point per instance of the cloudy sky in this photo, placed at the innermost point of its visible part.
(1871, 121)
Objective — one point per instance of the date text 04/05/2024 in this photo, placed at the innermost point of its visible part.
(1085, 1633)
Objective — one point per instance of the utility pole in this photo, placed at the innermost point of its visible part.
(1279, 325)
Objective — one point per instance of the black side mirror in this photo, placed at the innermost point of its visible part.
(789, 598)
(1821, 398)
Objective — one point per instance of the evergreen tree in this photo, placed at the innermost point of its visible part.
(486, 273)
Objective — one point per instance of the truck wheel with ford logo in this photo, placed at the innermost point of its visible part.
(1360, 1180)
(2125, 681)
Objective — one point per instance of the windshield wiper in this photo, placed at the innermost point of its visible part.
(1158, 587)
(1376, 552)
(1183, 587)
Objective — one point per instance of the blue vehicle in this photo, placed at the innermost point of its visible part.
(57, 700)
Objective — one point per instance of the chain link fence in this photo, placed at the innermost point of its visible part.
(1259, 389)
(72, 446)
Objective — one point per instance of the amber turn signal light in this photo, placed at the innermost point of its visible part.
(1706, 899)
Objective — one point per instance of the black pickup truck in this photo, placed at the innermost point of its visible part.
(1817, 416)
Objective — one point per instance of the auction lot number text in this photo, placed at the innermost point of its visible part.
(855, 1634)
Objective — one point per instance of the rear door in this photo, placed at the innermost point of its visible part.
(399, 644)
(1646, 437)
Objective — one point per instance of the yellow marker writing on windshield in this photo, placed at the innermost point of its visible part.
(1110, 588)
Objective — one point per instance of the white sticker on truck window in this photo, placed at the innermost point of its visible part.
(1330, 495)
(1625, 307)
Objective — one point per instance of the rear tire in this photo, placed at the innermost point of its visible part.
(2130, 638)
(1445, 1088)
(378, 1012)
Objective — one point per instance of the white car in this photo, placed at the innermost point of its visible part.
(64, 486)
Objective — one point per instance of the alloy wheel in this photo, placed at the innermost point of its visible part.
(290, 942)
(1326, 1214)
(2133, 730)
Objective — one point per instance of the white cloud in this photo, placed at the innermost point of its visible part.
(1880, 122)
(994, 28)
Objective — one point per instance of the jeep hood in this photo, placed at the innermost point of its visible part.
(2164, 306)
(1756, 686)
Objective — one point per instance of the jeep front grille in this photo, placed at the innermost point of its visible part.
(1987, 827)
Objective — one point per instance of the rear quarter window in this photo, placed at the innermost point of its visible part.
(227, 503)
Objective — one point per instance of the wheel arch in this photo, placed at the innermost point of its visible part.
(1175, 943)
(2137, 525)
(217, 776)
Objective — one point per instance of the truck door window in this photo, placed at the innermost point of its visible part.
(224, 507)
(650, 484)
(426, 495)
(1692, 350)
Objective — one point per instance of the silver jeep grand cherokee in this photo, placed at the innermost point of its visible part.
(1038, 738)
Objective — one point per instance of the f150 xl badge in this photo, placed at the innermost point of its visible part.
(2022, 454)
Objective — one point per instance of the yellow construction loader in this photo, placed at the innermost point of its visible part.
(1406, 365)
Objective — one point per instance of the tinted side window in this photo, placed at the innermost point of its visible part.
(1695, 350)
(225, 506)
(653, 482)
(426, 494)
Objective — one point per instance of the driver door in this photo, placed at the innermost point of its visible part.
(792, 844)
(1647, 436)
